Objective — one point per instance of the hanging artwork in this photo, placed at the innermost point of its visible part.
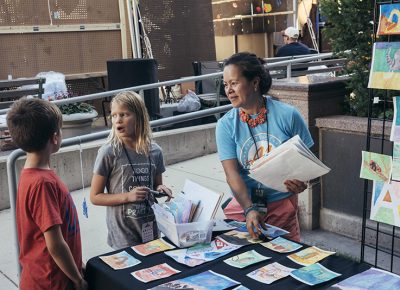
(395, 131)
(389, 19)
(385, 68)
(396, 162)
(375, 166)
(385, 203)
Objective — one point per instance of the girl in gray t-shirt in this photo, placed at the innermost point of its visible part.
(129, 165)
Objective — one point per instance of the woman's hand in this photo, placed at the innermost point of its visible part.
(295, 186)
(137, 194)
(255, 220)
(163, 188)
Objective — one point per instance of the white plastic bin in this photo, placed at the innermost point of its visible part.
(185, 235)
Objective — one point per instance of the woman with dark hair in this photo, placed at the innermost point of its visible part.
(256, 125)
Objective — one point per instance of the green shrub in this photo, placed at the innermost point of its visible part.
(350, 27)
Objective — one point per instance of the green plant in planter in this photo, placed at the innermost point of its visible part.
(72, 108)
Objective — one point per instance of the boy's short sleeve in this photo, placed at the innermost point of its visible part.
(44, 204)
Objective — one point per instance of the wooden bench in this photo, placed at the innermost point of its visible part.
(10, 91)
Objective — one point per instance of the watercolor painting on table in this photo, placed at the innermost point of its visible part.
(385, 203)
(309, 256)
(155, 246)
(372, 279)
(120, 260)
(270, 273)
(389, 19)
(240, 287)
(201, 253)
(246, 259)
(154, 273)
(314, 274)
(239, 236)
(375, 166)
(281, 245)
(385, 67)
(208, 280)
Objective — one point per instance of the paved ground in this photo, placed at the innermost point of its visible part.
(206, 171)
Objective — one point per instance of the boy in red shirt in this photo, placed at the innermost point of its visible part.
(47, 221)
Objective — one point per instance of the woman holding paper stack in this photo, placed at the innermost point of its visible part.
(250, 130)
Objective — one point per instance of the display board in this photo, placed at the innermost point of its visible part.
(380, 242)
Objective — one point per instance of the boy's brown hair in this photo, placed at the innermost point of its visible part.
(32, 122)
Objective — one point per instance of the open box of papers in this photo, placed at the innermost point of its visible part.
(188, 219)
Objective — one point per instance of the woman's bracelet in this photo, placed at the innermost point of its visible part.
(249, 209)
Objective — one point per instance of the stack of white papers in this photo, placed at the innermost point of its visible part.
(291, 160)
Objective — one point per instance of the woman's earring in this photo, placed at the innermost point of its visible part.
(255, 89)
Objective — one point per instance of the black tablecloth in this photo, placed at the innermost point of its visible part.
(100, 276)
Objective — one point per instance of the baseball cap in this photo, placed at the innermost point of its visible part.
(291, 32)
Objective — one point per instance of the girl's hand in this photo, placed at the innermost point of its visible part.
(163, 188)
(295, 186)
(137, 194)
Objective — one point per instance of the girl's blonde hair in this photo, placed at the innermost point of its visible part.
(134, 103)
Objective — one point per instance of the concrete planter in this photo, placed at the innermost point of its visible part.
(78, 124)
(342, 138)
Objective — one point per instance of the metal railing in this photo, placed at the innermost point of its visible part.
(275, 64)
(13, 157)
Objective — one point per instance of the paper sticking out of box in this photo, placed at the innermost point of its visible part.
(198, 231)
(209, 200)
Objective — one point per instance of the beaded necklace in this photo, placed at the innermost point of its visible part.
(260, 119)
(252, 123)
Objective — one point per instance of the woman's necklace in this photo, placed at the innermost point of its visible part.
(260, 119)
